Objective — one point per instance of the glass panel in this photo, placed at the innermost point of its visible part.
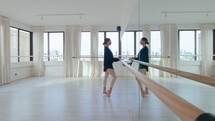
(24, 46)
(139, 35)
(85, 44)
(155, 44)
(56, 46)
(14, 45)
(128, 44)
(100, 45)
(198, 40)
(187, 45)
(45, 53)
(114, 36)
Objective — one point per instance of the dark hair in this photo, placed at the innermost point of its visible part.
(145, 39)
(106, 40)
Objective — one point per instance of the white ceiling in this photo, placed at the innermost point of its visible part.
(105, 12)
(150, 12)
(98, 12)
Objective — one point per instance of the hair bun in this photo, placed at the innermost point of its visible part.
(106, 40)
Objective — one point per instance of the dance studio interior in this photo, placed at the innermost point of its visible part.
(53, 59)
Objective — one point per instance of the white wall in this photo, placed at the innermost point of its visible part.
(57, 68)
(21, 70)
(25, 69)
(54, 68)
(20, 25)
(190, 66)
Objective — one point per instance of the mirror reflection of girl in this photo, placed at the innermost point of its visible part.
(143, 55)
(108, 66)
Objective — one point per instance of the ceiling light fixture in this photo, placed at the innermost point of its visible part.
(186, 12)
(73, 14)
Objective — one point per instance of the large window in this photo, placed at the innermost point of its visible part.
(14, 44)
(188, 44)
(155, 44)
(114, 36)
(138, 37)
(21, 45)
(53, 46)
(24, 46)
(128, 43)
(100, 44)
(85, 44)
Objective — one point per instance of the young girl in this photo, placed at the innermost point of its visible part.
(108, 66)
(143, 55)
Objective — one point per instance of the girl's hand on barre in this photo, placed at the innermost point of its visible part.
(131, 58)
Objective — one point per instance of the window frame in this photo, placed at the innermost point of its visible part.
(195, 43)
(135, 39)
(134, 32)
(90, 41)
(119, 41)
(31, 42)
(48, 43)
(155, 59)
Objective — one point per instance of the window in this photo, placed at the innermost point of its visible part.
(85, 44)
(24, 44)
(21, 45)
(14, 44)
(46, 50)
(188, 44)
(139, 35)
(100, 45)
(128, 44)
(155, 44)
(114, 36)
(198, 39)
(53, 46)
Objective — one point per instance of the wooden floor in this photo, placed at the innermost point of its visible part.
(81, 99)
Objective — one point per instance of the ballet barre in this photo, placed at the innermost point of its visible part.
(183, 109)
(87, 57)
(196, 77)
(121, 56)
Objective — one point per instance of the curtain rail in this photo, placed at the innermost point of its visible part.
(183, 109)
(196, 77)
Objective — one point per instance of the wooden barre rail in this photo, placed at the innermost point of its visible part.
(199, 78)
(183, 109)
(123, 56)
(87, 57)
